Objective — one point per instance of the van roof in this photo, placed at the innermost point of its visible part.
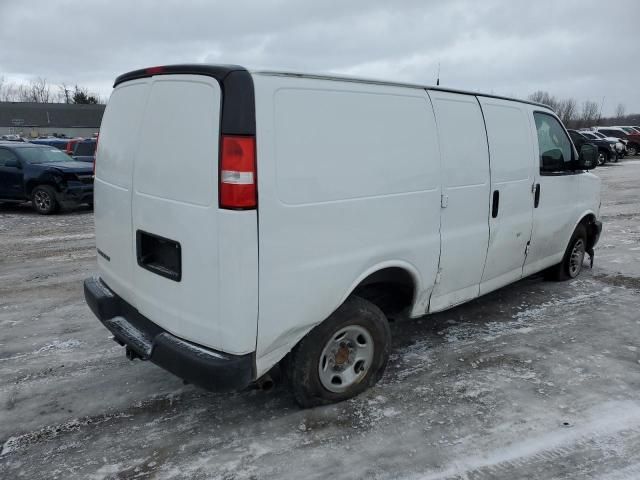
(349, 78)
(220, 72)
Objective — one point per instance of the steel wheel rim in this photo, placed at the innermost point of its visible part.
(346, 358)
(601, 159)
(576, 258)
(43, 201)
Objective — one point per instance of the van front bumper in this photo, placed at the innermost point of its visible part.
(210, 369)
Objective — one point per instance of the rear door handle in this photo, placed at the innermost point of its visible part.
(536, 200)
(496, 203)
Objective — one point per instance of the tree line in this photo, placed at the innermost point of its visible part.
(40, 91)
(587, 114)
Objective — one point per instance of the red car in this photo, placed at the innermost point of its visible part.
(71, 145)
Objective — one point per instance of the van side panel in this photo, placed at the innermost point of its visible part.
(512, 176)
(465, 185)
(348, 178)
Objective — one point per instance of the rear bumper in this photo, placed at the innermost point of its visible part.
(144, 339)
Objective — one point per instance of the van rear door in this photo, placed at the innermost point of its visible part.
(168, 249)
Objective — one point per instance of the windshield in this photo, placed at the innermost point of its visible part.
(589, 135)
(44, 155)
(85, 149)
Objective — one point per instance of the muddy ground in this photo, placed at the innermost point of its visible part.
(536, 380)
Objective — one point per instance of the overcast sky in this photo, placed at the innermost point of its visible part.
(585, 49)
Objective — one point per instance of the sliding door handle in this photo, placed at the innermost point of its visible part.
(536, 200)
(496, 203)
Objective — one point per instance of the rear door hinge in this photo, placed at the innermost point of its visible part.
(444, 200)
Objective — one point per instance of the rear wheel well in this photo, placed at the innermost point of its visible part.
(391, 289)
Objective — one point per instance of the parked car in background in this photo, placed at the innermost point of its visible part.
(633, 139)
(12, 138)
(59, 143)
(45, 175)
(629, 129)
(621, 144)
(71, 145)
(606, 148)
(85, 150)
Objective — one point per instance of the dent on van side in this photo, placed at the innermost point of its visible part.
(294, 214)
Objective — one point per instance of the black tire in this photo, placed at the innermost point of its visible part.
(304, 362)
(43, 200)
(565, 269)
(632, 149)
(603, 157)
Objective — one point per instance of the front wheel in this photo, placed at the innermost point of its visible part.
(603, 157)
(571, 264)
(632, 150)
(341, 357)
(43, 198)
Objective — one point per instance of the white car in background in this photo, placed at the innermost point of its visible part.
(620, 146)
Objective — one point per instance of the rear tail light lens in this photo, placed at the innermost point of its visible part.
(238, 172)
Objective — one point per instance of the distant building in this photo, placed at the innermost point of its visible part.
(32, 120)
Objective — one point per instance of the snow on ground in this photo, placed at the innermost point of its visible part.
(536, 380)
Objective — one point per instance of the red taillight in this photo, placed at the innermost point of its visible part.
(238, 172)
(154, 70)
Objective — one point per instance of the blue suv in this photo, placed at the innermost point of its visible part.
(45, 175)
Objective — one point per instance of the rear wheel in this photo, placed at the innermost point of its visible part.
(341, 357)
(43, 199)
(571, 264)
(632, 150)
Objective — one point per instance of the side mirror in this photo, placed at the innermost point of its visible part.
(588, 158)
(553, 161)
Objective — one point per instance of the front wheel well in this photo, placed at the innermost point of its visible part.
(589, 223)
(391, 289)
(36, 183)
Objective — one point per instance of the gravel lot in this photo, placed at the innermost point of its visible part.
(536, 380)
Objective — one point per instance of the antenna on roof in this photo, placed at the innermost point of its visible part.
(438, 75)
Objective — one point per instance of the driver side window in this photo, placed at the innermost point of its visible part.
(556, 150)
(7, 158)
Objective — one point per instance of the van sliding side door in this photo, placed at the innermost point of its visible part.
(512, 176)
(464, 229)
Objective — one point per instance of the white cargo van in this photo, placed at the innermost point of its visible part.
(246, 220)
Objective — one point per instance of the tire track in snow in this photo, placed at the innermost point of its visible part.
(601, 429)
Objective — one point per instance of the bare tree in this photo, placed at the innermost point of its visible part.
(590, 113)
(38, 91)
(64, 93)
(546, 98)
(8, 91)
(620, 111)
(567, 110)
